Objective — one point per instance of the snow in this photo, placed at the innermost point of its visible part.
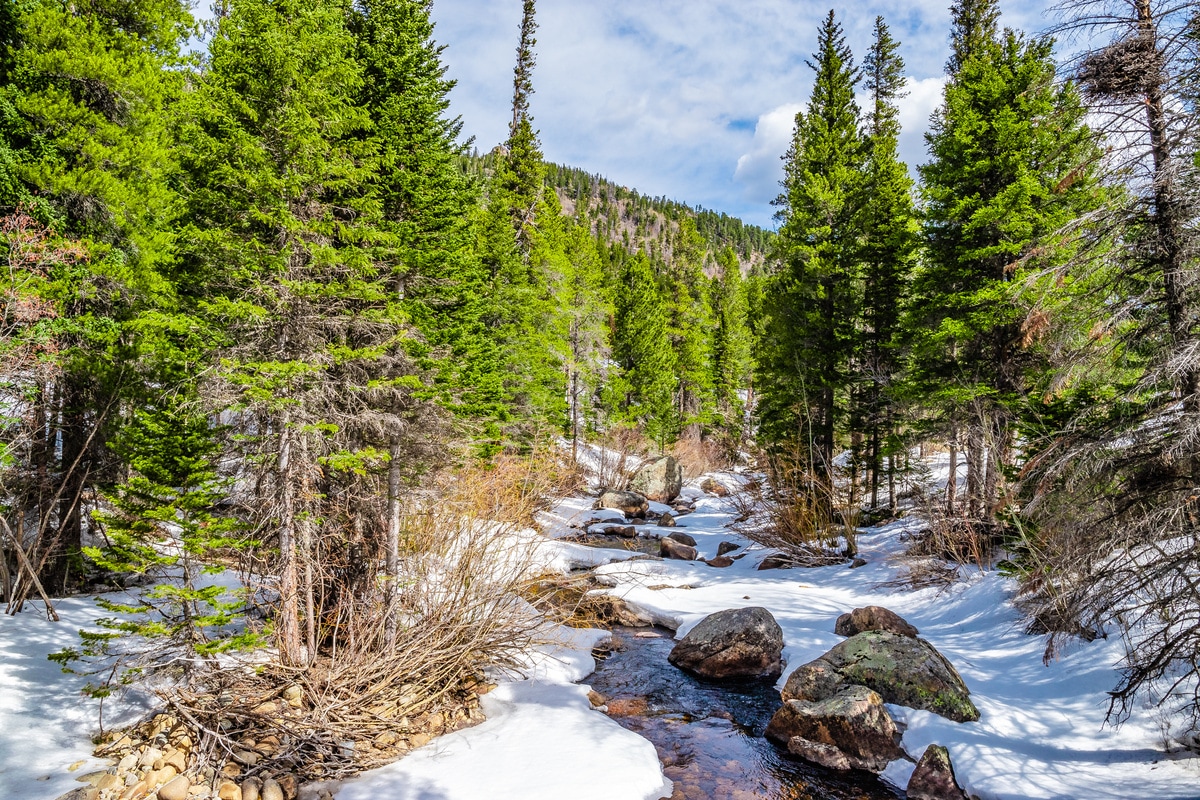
(46, 725)
(1041, 733)
(542, 741)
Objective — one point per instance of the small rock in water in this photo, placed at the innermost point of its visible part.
(735, 643)
(646, 635)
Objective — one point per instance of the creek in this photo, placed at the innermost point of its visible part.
(709, 736)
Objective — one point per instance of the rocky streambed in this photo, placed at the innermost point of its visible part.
(710, 734)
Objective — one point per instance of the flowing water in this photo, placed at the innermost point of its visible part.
(709, 736)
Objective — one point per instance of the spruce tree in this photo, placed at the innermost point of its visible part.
(889, 244)
(731, 345)
(291, 262)
(642, 350)
(812, 297)
(1002, 147)
(85, 99)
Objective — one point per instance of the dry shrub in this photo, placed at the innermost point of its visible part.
(699, 456)
(399, 662)
(793, 512)
(622, 450)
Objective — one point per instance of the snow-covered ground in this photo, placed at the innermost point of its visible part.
(1041, 733)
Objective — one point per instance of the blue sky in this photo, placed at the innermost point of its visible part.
(692, 99)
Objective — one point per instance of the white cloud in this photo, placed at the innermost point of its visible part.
(760, 170)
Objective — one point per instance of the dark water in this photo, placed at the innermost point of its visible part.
(709, 736)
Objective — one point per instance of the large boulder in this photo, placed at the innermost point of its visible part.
(735, 643)
(904, 670)
(631, 504)
(849, 730)
(872, 618)
(660, 481)
(933, 779)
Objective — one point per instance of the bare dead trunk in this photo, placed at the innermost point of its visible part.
(952, 478)
(288, 628)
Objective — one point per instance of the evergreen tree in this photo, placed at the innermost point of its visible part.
(1002, 147)
(424, 193)
(731, 343)
(292, 261)
(642, 349)
(811, 300)
(685, 288)
(86, 94)
(889, 243)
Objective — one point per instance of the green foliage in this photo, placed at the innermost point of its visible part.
(731, 343)
(812, 299)
(642, 349)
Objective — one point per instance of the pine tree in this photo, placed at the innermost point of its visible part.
(424, 192)
(731, 345)
(685, 288)
(889, 243)
(1002, 147)
(84, 102)
(291, 260)
(811, 300)
(642, 349)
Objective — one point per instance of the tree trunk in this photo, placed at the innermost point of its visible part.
(393, 540)
(952, 478)
(288, 628)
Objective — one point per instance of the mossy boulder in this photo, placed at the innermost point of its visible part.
(904, 670)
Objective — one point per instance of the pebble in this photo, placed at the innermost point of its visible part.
(175, 789)
(251, 789)
(128, 762)
(271, 790)
(229, 791)
(148, 758)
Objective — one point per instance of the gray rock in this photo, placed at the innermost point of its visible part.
(727, 547)
(671, 548)
(850, 730)
(933, 779)
(680, 536)
(872, 618)
(710, 486)
(625, 531)
(667, 520)
(659, 480)
(736, 643)
(904, 670)
(631, 504)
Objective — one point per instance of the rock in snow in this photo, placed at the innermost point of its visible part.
(659, 480)
(903, 670)
(735, 643)
(631, 504)
(872, 618)
(933, 779)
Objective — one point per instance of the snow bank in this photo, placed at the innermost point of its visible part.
(1041, 733)
(542, 741)
(46, 725)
